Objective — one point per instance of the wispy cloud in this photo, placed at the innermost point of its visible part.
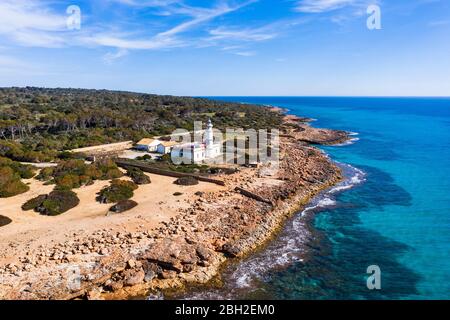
(317, 6)
(31, 23)
(34, 23)
(169, 38)
(148, 3)
(110, 57)
(259, 34)
(245, 53)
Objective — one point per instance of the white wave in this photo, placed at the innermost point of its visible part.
(326, 202)
(243, 281)
(341, 188)
(319, 203)
(347, 143)
(157, 296)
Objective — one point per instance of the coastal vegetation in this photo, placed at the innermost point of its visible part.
(53, 204)
(72, 174)
(41, 125)
(68, 175)
(11, 173)
(138, 176)
(118, 190)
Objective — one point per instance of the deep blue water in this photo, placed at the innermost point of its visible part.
(397, 216)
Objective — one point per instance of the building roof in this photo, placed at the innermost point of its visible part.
(146, 141)
(194, 145)
(168, 143)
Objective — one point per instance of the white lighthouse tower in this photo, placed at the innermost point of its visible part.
(212, 149)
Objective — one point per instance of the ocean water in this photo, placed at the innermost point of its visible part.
(392, 211)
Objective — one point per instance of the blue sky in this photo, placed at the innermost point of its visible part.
(229, 47)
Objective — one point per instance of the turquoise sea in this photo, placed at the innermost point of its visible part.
(392, 211)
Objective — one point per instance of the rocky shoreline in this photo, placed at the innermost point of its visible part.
(192, 247)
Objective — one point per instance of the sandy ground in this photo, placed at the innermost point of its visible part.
(29, 230)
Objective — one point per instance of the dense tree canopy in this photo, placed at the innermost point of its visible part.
(36, 123)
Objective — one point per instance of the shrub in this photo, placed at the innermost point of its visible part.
(74, 173)
(119, 190)
(58, 202)
(108, 169)
(68, 181)
(187, 181)
(10, 183)
(93, 172)
(147, 157)
(45, 174)
(138, 176)
(113, 173)
(25, 171)
(34, 203)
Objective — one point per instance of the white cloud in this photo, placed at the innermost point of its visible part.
(30, 23)
(122, 42)
(110, 57)
(245, 53)
(148, 3)
(33, 23)
(201, 15)
(316, 6)
(259, 34)
(165, 39)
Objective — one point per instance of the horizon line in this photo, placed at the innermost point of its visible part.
(235, 96)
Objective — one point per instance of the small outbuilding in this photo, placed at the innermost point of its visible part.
(165, 147)
(148, 145)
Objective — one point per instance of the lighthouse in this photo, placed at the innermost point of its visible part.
(209, 139)
(212, 149)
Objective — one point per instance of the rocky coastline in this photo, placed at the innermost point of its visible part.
(192, 247)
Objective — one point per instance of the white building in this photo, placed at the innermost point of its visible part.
(189, 153)
(165, 147)
(148, 145)
(212, 149)
(197, 152)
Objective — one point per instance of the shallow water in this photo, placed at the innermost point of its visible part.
(393, 210)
